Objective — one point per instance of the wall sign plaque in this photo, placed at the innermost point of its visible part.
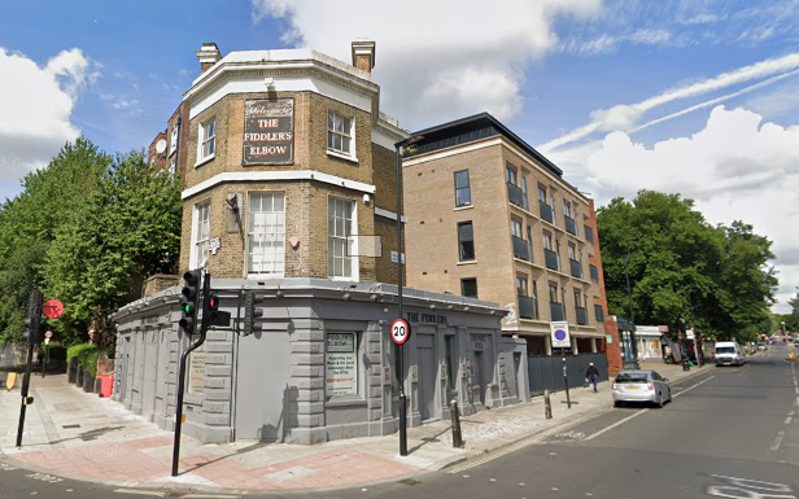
(268, 132)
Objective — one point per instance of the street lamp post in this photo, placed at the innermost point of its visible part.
(403, 400)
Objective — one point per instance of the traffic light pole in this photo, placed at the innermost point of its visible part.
(34, 319)
(25, 386)
(182, 378)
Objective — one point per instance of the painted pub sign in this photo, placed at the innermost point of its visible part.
(268, 132)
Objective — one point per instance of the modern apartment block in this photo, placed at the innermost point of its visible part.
(490, 217)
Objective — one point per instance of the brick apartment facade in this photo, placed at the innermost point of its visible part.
(491, 218)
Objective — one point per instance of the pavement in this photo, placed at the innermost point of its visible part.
(76, 435)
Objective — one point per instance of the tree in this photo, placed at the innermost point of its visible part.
(682, 271)
(128, 229)
(28, 224)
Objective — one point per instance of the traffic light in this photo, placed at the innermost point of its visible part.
(188, 302)
(251, 312)
(34, 320)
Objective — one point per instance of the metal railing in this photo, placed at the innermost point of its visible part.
(582, 316)
(546, 212)
(528, 308)
(575, 268)
(520, 248)
(571, 225)
(556, 311)
(515, 195)
(551, 259)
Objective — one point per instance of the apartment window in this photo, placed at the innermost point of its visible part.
(542, 194)
(341, 259)
(207, 140)
(553, 292)
(465, 241)
(463, 191)
(339, 134)
(567, 208)
(516, 227)
(524, 191)
(599, 313)
(548, 241)
(572, 251)
(469, 287)
(201, 234)
(578, 298)
(266, 234)
(510, 174)
(521, 285)
(173, 140)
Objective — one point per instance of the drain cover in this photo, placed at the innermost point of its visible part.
(70, 426)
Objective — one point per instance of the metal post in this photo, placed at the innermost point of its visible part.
(457, 436)
(25, 400)
(547, 405)
(182, 378)
(403, 407)
(566, 379)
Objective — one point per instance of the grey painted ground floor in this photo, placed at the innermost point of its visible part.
(319, 365)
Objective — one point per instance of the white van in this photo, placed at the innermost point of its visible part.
(729, 353)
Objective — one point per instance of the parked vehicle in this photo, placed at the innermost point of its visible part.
(641, 386)
(729, 353)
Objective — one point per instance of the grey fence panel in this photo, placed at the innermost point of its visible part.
(546, 372)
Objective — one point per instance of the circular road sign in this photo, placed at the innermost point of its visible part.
(52, 309)
(560, 334)
(48, 334)
(400, 331)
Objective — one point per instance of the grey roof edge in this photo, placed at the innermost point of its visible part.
(328, 289)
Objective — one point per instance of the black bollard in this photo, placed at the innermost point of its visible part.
(457, 438)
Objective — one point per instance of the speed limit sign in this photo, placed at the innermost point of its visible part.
(400, 331)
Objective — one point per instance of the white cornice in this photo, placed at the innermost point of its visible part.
(273, 176)
(388, 214)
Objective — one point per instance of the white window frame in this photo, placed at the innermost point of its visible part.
(201, 209)
(348, 154)
(351, 240)
(277, 235)
(204, 138)
(173, 139)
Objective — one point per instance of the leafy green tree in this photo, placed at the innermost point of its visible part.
(128, 229)
(29, 221)
(681, 270)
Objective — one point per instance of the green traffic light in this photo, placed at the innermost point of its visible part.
(187, 308)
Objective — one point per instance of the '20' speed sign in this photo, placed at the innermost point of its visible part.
(400, 331)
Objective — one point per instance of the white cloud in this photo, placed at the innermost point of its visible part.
(36, 104)
(737, 167)
(470, 53)
(601, 118)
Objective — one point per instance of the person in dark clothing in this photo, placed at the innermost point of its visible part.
(592, 375)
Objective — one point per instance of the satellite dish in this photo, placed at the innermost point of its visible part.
(160, 146)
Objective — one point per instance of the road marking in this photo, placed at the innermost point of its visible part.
(777, 441)
(745, 488)
(218, 496)
(614, 425)
(693, 386)
(788, 419)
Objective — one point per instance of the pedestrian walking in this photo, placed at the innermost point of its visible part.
(592, 375)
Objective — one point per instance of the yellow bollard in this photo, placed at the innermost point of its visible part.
(11, 381)
(792, 356)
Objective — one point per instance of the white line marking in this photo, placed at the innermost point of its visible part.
(218, 496)
(140, 492)
(693, 386)
(788, 419)
(777, 441)
(614, 425)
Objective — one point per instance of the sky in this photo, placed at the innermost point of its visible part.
(696, 97)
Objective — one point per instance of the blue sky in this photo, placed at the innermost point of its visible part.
(699, 97)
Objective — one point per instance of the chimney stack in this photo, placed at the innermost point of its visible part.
(208, 55)
(363, 55)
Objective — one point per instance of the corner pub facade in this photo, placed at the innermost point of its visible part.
(288, 170)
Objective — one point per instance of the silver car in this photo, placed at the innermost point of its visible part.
(641, 386)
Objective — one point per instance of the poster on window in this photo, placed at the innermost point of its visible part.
(268, 132)
(341, 373)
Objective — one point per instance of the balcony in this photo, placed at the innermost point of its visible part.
(594, 273)
(546, 212)
(582, 316)
(515, 195)
(571, 225)
(589, 234)
(520, 248)
(599, 313)
(551, 259)
(528, 309)
(576, 268)
(555, 311)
